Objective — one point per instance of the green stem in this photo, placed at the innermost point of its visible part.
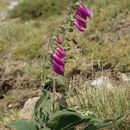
(54, 87)
(45, 56)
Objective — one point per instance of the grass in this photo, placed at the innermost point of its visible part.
(3, 4)
(9, 114)
(30, 9)
(25, 41)
(106, 104)
(21, 94)
(102, 104)
(107, 36)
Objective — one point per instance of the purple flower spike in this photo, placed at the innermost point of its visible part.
(58, 59)
(59, 69)
(82, 13)
(61, 52)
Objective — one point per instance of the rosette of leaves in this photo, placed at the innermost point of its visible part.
(49, 115)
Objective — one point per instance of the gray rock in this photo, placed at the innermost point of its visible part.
(12, 4)
(3, 15)
(125, 78)
(10, 106)
(27, 111)
(102, 82)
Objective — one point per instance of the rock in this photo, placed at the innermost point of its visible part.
(3, 128)
(3, 15)
(125, 78)
(27, 111)
(10, 106)
(13, 4)
(102, 82)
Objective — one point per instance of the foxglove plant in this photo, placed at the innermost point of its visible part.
(46, 116)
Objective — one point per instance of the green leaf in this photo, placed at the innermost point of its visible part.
(65, 120)
(43, 109)
(91, 128)
(60, 81)
(23, 125)
(71, 30)
(46, 128)
(109, 122)
(42, 101)
(99, 124)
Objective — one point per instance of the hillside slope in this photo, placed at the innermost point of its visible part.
(105, 46)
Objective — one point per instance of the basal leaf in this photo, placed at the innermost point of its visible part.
(65, 119)
(23, 125)
(43, 99)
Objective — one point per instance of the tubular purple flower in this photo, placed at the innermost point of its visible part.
(82, 15)
(80, 24)
(61, 52)
(80, 28)
(59, 69)
(58, 59)
(83, 12)
(89, 13)
(59, 40)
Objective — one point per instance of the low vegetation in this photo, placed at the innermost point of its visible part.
(103, 104)
(2, 5)
(30, 9)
